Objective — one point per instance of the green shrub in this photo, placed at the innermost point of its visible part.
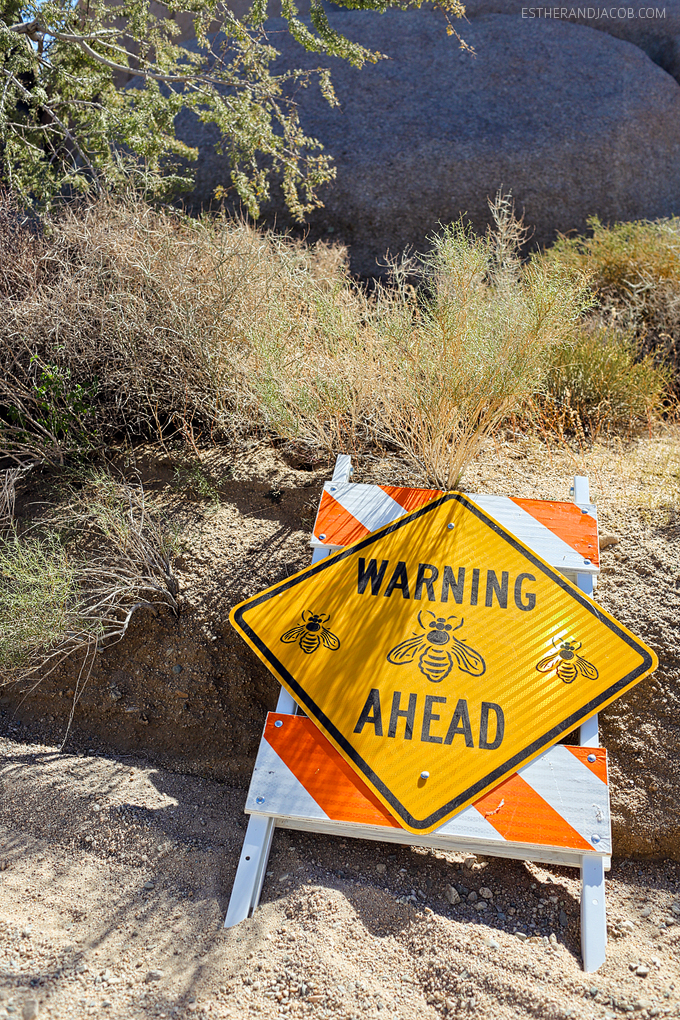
(603, 382)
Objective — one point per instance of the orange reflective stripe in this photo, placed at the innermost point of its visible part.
(325, 775)
(567, 521)
(337, 522)
(518, 813)
(410, 499)
(599, 766)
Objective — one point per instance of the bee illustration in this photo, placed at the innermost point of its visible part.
(313, 634)
(436, 659)
(566, 663)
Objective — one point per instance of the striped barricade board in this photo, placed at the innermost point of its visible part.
(564, 534)
(555, 809)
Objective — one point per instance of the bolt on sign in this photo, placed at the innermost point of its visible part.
(439, 654)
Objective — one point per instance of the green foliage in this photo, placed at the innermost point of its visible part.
(68, 126)
(601, 381)
(96, 556)
(39, 598)
(623, 261)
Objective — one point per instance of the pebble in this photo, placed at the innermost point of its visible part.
(564, 920)
(522, 936)
(154, 975)
(645, 912)
(29, 1010)
(381, 868)
(472, 897)
(481, 905)
(177, 669)
(452, 895)
(491, 943)
(284, 878)
(485, 893)
(149, 885)
(642, 971)
(675, 909)
(553, 939)
(627, 926)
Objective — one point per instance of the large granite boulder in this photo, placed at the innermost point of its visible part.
(573, 121)
(655, 29)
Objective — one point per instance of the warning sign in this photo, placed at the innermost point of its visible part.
(440, 654)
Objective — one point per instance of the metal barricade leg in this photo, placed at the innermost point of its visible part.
(245, 893)
(593, 914)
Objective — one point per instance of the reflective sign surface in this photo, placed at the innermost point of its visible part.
(440, 654)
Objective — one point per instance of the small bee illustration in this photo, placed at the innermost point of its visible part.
(313, 634)
(436, 660)
(566, 663)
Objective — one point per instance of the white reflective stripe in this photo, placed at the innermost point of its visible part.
(472, 824)
(368, 504)
(281, 790)
(574, 791)
(531, 532)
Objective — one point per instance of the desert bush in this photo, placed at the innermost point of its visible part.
(601, 381)
(634, 270)
(134, 327)
(142, 322)
(73, 582)
(430, 373)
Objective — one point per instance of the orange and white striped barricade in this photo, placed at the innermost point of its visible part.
(554, 810)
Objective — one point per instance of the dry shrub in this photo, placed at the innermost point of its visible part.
(138, 328)
(73, 582)
(430, 373)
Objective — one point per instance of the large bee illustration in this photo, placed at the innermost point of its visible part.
(566, 663)
(313, 634)
(438, 649)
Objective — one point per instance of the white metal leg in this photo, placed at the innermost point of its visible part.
(593, 914)
(245, 893)
(252, 865)
(286, 703)
(343, 468)
(589, 733)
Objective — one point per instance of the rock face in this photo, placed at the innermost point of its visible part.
(656, 30)
(574, 122)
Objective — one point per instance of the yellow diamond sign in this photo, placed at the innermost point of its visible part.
(440, 654)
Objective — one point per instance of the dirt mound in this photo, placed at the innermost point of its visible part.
(187, 693)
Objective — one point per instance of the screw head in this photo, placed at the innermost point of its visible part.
(584, 510)
(322, 537)
(594, 839)
(278, 723)
(259, 800)
(450, 526)
(587, 563)
(424, 775)
(592, 757)
(333, 488)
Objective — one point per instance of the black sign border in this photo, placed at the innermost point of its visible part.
(549, 737)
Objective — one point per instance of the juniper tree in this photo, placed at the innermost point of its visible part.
(69, 124)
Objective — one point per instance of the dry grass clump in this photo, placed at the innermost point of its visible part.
(73, 583)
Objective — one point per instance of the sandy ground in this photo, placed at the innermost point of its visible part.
(115, 877)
